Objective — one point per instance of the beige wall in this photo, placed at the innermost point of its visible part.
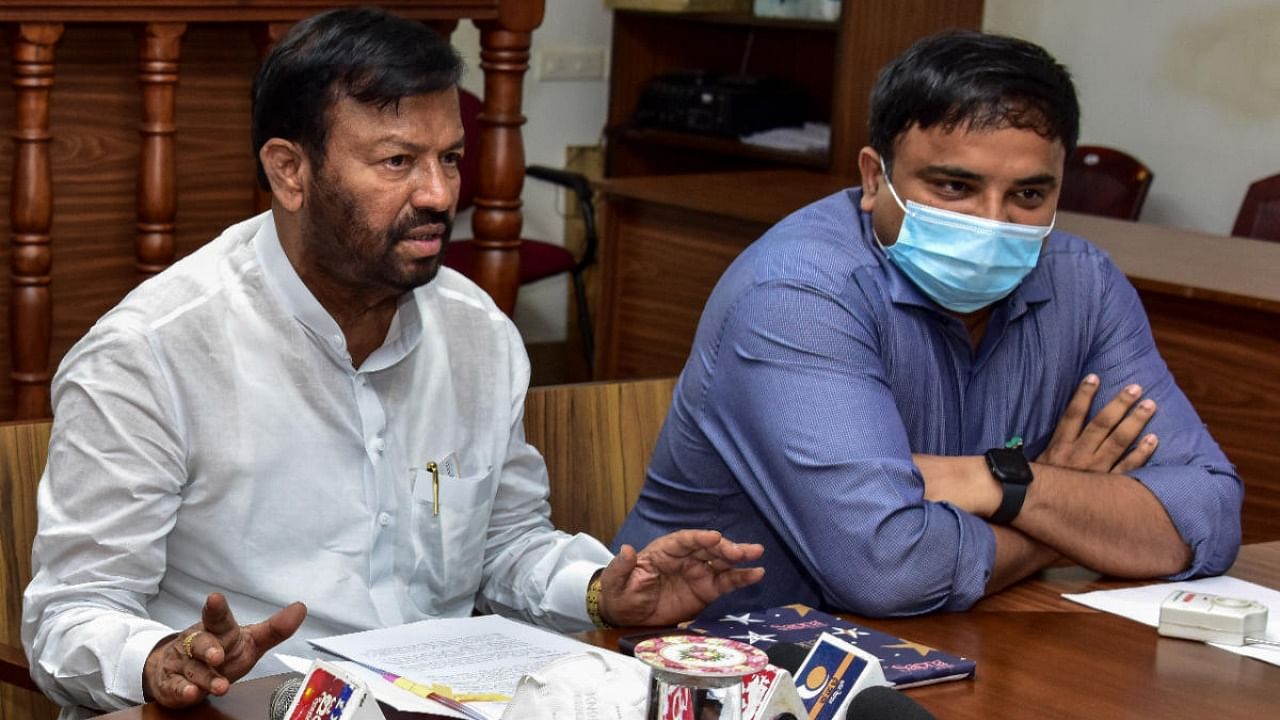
(1190, 87)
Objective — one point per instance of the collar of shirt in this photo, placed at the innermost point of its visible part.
(403, 334)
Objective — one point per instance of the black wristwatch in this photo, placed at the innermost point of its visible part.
(1011, 468)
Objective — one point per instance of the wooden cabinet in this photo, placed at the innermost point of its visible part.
(835, 64)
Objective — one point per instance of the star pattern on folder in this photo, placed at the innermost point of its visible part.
(851, 633)
(904, 662)
(753, 638)
(908, 645)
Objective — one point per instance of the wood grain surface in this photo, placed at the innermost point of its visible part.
(596, 439)
(1030, 664)
(22, 452)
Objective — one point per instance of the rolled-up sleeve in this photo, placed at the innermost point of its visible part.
(1194, 481)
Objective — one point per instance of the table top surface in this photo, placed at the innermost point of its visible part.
(1188, 263)
(1038, 655)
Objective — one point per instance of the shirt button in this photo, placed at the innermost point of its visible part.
(384, 519)
(378, 445)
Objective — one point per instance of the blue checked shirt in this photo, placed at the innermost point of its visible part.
(818, 369)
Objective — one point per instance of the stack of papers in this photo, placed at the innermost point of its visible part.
(1143, 604)
(812, 138)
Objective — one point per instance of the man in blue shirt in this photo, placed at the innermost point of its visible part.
(915, 393)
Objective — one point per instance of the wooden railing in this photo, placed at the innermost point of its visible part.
(38, 332)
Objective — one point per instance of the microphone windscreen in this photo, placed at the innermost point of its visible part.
(787, 656)
(884, 703)
(282, 697)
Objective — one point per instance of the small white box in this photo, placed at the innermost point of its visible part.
(800, 9)
(1211, 618)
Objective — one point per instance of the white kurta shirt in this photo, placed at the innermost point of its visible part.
(211, 434)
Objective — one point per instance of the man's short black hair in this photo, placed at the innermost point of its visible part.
(974, 80)
(367, 54)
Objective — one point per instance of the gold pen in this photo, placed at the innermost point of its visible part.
(435, 486)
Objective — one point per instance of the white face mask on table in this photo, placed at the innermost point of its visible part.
(588, 686)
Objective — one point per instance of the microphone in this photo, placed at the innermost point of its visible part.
(787, 656)
(282, 698)
(327, 691)
(883, 703)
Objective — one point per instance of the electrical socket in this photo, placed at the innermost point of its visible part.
(571, 63)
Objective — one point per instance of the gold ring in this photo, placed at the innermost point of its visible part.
(186, 643)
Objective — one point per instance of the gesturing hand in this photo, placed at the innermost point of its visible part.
(1102, 444)
(674, 577)
(207, 657)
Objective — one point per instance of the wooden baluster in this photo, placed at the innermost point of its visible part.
(30, 217)
(504, 58)
(265, 36)
(160, 47)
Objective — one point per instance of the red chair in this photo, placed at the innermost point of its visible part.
(538, 259)
(1259, 216)
(1102, 181)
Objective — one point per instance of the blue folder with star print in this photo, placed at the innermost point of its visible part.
(905, 663)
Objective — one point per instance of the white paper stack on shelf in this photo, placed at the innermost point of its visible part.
(813, 137)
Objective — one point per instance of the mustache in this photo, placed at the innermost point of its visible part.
(420, 218)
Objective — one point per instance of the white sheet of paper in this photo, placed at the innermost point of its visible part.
(485, 654)
(1143, 604)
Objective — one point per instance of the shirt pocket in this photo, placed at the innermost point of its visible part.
(449, 540)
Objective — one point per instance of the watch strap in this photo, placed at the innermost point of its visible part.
(1015, 494)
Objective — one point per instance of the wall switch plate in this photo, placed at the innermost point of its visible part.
(571, 63)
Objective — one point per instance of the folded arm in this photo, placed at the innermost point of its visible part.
(1130, 483)
(803, 415)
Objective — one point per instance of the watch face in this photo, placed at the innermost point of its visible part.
(1009, 465)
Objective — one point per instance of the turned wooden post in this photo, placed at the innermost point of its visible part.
(504, 58)
(30, 217)
(160, 47)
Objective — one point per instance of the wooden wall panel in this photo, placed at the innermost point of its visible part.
(1227, 361)
(96, 111)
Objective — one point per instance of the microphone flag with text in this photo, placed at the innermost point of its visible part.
(832, 674)
(326, 693)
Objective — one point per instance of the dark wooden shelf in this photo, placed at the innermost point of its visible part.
(739, 19)
(833, 63)
(722, 146)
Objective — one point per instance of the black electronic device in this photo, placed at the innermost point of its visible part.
(727, 105)
(1011, 469)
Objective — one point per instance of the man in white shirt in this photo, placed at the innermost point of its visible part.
(310, 408)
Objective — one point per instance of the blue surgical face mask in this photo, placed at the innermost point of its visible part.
(962, 262)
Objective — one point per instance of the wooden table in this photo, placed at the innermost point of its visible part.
(1213, 301)
(1038, 656)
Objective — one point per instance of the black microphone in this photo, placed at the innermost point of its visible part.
(282, 697)
(884, 703)
(787, 656)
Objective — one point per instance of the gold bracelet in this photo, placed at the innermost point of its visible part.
(593, 604)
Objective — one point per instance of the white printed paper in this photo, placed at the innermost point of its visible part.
(1143, 604)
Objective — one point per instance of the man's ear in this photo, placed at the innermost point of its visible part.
(872, 177)
(287, 169)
